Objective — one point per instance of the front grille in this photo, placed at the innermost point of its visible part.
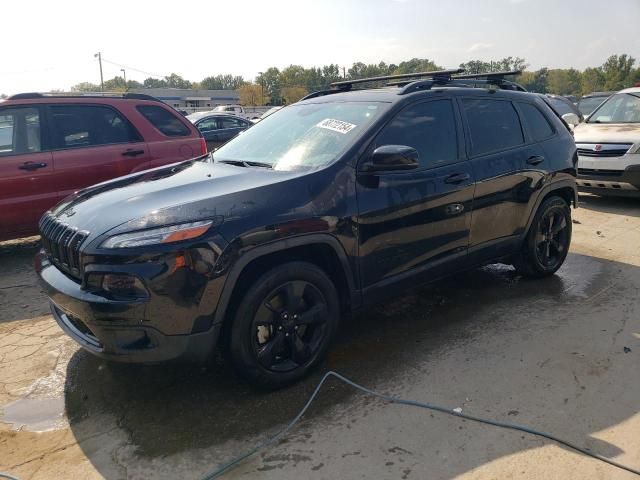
(600, 173)
(62, 244)
(602, 153)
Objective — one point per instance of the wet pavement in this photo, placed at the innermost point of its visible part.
(559, 354)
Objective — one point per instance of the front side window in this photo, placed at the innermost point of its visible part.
(19, 131)
(76, 126)
(538, 124)
(164, 120)
(619, 108)
(231, 122)
(302, 136)
(588, 105)
(429, 127)
(494, 125)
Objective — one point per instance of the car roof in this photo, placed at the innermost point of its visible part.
(629, 90)
(217, 114)
(599, 94)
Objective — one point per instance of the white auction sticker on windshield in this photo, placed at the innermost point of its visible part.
(336, 125)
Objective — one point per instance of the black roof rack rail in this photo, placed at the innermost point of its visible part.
(133, 96)
(489, 75)
(347, 84)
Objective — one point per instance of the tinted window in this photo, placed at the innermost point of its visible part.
(164, 120)
(19, 131)
(538, 124)
(77, 126)
(493, 124)
(428, 127)
(588, 105)
(228, 122)
(208, 124)
(561, 106)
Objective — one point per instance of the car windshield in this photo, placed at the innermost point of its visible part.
(588, 105)
(302, 136)
(619, 108)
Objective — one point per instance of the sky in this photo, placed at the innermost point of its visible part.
(51, 44)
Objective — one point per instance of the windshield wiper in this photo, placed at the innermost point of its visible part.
(244, 163)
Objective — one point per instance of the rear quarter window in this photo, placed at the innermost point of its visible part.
(494, 125)
(537, 124)
(165, 121)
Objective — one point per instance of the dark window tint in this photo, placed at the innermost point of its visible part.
(536, 122)
(230, 122)
(494, 125)
(19, 131)
(77, 126)
(207, 125)
(164, 120)
(428, 127)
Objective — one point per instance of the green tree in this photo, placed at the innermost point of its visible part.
(293, 94)
(592, 80)
(534, 81)
(504, 65)
(85, 87)
(564, 81)
(414, 65)
(176, 81)
(252, 94)
(270, 81)
(222, 82)
(154, 83)
(617, 70)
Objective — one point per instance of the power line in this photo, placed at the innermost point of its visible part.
(134, 69)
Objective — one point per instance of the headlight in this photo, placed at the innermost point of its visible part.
(154, 236)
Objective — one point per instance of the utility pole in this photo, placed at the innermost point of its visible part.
(99, 56)
(261, 88)
(124, 74)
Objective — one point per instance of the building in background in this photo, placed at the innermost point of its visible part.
(190, 101)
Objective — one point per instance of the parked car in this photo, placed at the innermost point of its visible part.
(590, 102)
(335, 203)
(561, 105)
(609, 147)
(218, 129)
(271, 111)
(52, 146)
(237, 110)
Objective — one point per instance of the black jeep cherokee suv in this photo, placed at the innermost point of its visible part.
(322, 208)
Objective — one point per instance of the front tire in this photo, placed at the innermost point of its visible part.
(284, 325)
(547, 242)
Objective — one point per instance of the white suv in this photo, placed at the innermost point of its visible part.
(609, 146)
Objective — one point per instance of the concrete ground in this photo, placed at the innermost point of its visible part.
(560, 355)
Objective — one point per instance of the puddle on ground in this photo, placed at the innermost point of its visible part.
(35, 414)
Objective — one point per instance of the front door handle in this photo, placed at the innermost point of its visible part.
(132, 153)
(32, 166)
(535, 160)
(457, 178)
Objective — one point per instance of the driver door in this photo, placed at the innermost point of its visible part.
(417, 221)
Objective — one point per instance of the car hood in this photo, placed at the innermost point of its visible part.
(607, 133)
(181, 192)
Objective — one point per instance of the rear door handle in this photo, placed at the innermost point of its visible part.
(457, 178)
(535, 160)
(32, 166)
(132, 153)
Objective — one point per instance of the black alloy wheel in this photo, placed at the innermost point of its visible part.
(552, 238)
(283, 324)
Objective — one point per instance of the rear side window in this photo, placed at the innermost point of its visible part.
(493, 124)
(164, 120)
(19, 131)
(231, 123)
(537, 123)
(77, 126)
(429, 127)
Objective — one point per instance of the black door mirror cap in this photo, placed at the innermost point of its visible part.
(391, 158)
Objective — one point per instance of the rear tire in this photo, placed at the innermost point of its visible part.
(284, 325)
(546, 245)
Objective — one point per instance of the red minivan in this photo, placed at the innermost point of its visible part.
(51, 146)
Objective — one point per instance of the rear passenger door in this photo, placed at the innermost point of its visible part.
(230, 127)
(26, 171)
(499, 156)
(92, 143)
(415, 221)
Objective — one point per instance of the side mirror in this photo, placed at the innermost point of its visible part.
(571, 118)
(389, 158)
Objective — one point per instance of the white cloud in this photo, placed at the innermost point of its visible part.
(477, 47)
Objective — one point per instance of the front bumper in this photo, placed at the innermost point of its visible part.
(119, 330)
(624, 182)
